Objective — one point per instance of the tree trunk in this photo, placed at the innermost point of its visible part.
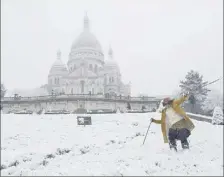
(193, 108)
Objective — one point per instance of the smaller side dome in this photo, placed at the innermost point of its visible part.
(110, 63)
(58, 67)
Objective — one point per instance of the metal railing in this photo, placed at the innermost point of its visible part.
(78, 96)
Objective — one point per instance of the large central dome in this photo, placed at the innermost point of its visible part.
(86, 39)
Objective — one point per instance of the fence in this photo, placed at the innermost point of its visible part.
(200, 117)
(80, 97)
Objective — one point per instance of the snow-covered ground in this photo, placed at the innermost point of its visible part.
(56, 145)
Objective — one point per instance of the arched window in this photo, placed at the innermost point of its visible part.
(93, 91)
(55, 80)
(95, 69)
(112, 79)
(74, 67)
(105, 80)
(90, 67)
(82, 86)
(82, 71)
(72, 91)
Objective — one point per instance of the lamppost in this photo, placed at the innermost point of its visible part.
(115, 102)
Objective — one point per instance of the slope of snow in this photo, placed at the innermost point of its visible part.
(56, 145)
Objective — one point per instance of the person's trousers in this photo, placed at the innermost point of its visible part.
(178, 134)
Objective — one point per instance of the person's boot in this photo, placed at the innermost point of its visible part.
(185, 144)
(173, 145)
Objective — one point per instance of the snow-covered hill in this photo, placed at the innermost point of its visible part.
(56, 145)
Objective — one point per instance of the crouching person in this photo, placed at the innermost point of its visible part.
(175, 124)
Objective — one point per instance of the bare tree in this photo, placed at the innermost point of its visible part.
(3, 90)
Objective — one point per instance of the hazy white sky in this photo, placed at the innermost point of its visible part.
(155, 42)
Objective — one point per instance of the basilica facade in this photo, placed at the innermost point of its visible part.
(88, 70)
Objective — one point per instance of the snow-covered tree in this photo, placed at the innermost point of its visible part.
(143, 107)
(3, 90)
(214, 98)
(128, 106)
(195, 85)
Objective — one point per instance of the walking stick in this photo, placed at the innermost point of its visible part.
(147, 132)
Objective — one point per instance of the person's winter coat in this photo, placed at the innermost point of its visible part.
(176, 107)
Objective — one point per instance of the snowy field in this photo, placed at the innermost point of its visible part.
(56, 145)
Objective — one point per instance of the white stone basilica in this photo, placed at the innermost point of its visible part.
(87, 72)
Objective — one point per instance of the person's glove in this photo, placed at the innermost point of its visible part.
(152, 120)
(186, 94)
